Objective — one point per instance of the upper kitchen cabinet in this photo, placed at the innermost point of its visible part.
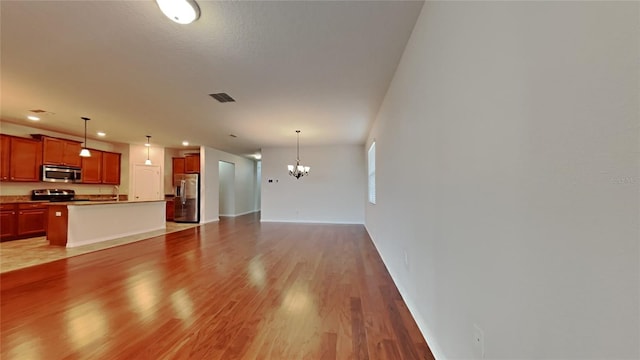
(178, 165)
(6, 157)
(177, 168)
(192, 163)
(110, 168)
(60, 151)
(92, 168)
(25, 158)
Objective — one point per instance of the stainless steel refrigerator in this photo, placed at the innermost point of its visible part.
(187, 199)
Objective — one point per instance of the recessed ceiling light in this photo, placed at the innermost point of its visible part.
(33, 118)
(257, 156)
(185, 143)
(100, 133)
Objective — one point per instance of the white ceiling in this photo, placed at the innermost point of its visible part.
(322, 67)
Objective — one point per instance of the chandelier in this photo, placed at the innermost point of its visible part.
(298, 170)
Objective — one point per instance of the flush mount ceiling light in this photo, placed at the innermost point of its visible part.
(181, 11)
(148, 145)
(185, 143)
(101, 133)
(298, 170)
(85, 152)
(33, 118)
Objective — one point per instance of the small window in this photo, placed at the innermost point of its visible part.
(372, 173)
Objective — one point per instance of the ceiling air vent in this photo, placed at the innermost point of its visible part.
(222, 97)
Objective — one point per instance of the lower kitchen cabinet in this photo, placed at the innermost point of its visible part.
(8, 221)
(23, 220)
(32, 220)
(170, 210)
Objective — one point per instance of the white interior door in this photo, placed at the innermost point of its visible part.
(146, 182)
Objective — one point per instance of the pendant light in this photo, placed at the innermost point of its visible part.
(148, 145)
(298, 170)
(181, 11)
(85, 152)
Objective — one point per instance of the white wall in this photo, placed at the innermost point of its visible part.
(508, 171)
(333, 191)
(227, 178)
(209, 185)
(24, 188)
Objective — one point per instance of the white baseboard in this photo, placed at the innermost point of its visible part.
(312, 222)
(422, 325)
(209, 221)
(244, 213)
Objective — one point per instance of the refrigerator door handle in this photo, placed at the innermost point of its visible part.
(183, 195)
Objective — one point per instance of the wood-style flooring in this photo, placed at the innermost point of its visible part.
(237, 289)
(18, 254)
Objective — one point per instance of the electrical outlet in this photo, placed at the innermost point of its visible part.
(478, 341)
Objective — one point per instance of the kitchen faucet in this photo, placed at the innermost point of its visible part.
(116, 192)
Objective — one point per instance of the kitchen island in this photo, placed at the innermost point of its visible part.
(79, 223)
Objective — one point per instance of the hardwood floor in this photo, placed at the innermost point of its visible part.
(18, 254)
(238, 289)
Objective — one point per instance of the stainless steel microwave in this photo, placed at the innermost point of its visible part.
(66, 174)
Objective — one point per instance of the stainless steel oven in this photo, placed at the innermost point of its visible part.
(66, 174)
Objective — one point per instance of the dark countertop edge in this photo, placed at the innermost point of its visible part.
(23, 202)
(99, 202)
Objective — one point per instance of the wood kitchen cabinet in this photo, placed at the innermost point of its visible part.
(192, 163)
(8, 221)
(22, 220)
(6, 157)
(170, 209)
(25, 159)
(32, 219)
(92, 168)
(177, 168)
(21, 159)
(110, 168)
(60, 151)
(103, 167)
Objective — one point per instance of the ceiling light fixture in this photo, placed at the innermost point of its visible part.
(101, 134)
(148, 145)
(185, 143)
(85, 152)
(298, 170)
(181, 11)
(33, 118)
